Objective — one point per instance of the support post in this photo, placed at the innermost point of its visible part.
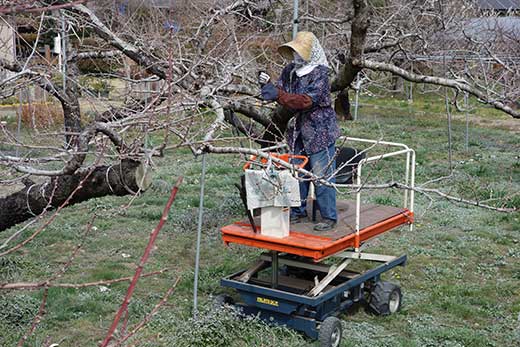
(199, 233)
(466, 106)
(412, 186)
(357, 240)
(64, 50)
(406, 179)
(410, 93)
(448, 113)
(19, 122)
(358, 89)
(274, 269)
(295, 18)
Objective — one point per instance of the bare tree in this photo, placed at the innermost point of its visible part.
(212, 62)
(199, 61)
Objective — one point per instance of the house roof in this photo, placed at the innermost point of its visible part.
(499, 5)
(486, 30)
(493, 28)
(161, 3)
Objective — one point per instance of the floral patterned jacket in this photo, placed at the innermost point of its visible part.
(315, 122)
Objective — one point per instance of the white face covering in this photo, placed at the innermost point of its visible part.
(298, 61)
(317, 58)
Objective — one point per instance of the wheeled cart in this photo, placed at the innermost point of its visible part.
(306, 279)
(292, 291)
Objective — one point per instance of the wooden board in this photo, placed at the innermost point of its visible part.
(370, 215)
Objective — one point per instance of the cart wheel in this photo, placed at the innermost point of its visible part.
(385, 298)
(222, 300)
(330, 332)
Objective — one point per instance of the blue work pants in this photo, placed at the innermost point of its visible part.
(322, 164)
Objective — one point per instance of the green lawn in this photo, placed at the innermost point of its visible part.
(461, 284)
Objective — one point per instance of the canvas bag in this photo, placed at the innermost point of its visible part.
(267, 188)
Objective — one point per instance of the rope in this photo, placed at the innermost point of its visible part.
(42, 192)
(108, 180)
(27, 200)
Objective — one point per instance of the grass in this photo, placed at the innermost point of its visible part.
(461, 284)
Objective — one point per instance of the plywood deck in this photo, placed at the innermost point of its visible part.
(305, 241)
(370, 215)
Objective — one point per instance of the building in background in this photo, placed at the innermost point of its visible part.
(7, 45)
(500, 7)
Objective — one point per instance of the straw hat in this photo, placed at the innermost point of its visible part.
(302, 44)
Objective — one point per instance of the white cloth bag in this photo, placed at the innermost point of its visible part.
(266, 188)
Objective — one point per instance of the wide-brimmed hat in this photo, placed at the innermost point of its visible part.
(302, 44)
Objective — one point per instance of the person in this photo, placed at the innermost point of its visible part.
(303, 87)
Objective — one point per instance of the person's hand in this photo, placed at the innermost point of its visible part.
(269, 92)
(263, 78)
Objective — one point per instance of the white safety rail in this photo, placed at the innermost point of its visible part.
(409, 179)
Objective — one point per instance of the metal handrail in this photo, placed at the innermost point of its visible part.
(409, 177)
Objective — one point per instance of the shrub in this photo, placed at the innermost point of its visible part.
(41, 115)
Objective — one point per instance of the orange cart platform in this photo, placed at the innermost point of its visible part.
(304, 241)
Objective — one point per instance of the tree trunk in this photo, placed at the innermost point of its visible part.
(71, 107)
(71, 120)
(342, 105)
(127, 177)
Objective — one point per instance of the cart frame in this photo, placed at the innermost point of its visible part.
(278, 304)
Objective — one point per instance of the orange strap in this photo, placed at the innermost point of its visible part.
(285, 157)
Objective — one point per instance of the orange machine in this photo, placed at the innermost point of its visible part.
(304, 241)
(357, 223)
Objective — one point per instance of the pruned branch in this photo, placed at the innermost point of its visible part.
(39, 285)
(42, 79)
(142, 262)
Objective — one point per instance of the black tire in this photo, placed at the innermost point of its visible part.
(330, 332)
(385, 298)
(222, 300)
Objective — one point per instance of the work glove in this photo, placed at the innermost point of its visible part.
(263, 78)
(269, 92)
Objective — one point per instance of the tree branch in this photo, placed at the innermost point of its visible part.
(360, 24)
(460, 85)
(139, 56)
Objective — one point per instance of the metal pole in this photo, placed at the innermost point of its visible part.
(64, 51)
(410, 96)
(358, 87)
(295, 18)
(406, 179)
(358, 206)
(448, 112)
(19, 125)
(199, 232)
(20, 101)
(466, 106)
(412, 186)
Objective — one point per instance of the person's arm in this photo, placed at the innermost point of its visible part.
(289, 100)
(317, 92)
(294, 101)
